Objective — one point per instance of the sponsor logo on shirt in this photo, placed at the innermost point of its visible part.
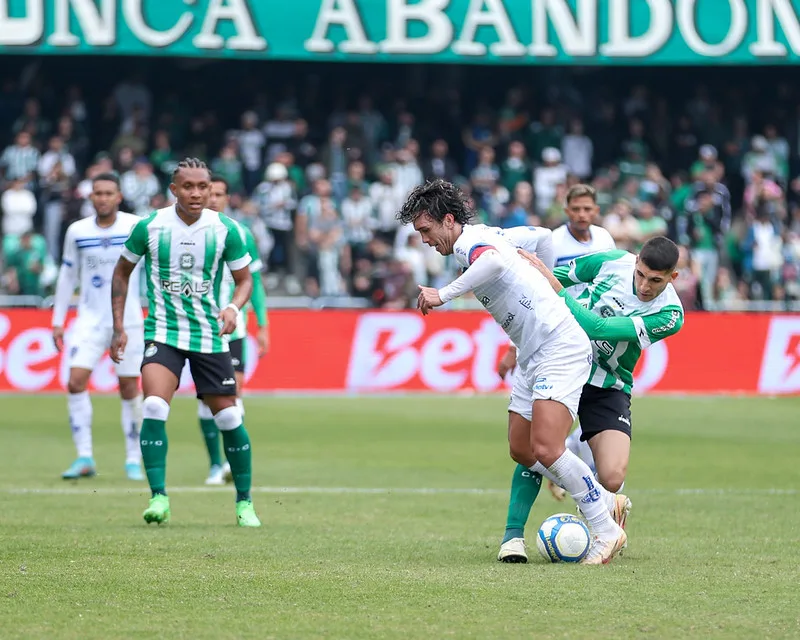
(187, 288)
(150, 351)
(485, 300)
(227, 382)
(507, 322)
(625, 420)
(618, 302)
(540, 384)
(527, 303)
(670, 325)
(97, 281)
(93, 262)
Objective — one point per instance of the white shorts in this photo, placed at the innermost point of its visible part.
(557, 371)
(86, 345)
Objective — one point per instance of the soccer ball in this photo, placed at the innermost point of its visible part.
(563, 537)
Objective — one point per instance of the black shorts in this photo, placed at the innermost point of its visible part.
(237, 354)
(604, 410)
(212, 372)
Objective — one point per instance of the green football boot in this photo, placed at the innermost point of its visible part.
(158, 511)
(246, 514)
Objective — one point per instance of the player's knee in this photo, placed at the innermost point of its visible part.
(547, 452)
(612, 478)
(519, 452)
(76, 386)
(203, 411)
(155, 408)
(229, 418)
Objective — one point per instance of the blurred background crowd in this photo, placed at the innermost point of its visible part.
(318, 165)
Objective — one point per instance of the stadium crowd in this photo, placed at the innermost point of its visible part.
(319, 186)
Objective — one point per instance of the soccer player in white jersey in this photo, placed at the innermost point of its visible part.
(628, 304)
(92, 247)
(185, 247)
(554, 353)
(218, 201)
(578, 237)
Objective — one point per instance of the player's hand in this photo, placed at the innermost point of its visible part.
(119, 340)
(58, 338)
(262, 338)
(428, 299)
(507, 363)
(227, 321)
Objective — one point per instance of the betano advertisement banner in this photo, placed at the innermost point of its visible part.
(485, 31)
(384, 352)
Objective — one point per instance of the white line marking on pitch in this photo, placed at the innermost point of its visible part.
(87, 490)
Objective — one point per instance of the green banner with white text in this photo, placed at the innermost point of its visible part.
(646, 32)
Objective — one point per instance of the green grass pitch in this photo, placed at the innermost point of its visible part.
(382, 520)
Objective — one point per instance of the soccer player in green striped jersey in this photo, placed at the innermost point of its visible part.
(628, 305)
(185, 247)
(220, 472)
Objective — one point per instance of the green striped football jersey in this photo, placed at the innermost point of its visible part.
(183, 267)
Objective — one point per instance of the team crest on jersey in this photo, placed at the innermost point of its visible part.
(187, 261)
(150, 351)
(606, 311)
(105, 242)
(97, 281)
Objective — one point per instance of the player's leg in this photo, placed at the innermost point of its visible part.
(128, 372)
(79, 406)
(606, 416)
(161, 370)
(238, 357)
(556, 386)
(86, 347)
(525, 484)
(214, 378)
(131, 420)
(212, 440)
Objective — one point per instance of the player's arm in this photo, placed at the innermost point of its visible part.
(132, 252)
(237, 258)
(485, 264)
(642, 329)
(259, 297)
(65, 287)
(585, 268)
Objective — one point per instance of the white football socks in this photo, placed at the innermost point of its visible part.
(80, 420)
(575, 476)
(131, 417)
(580, 448)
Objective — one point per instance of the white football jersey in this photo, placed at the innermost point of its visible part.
(520, 299)
(567, 247)
(90, 254)
(538, 240)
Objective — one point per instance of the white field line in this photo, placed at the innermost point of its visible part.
(88, 490)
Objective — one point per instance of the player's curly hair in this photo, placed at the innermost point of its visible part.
(437, 199)
(189, 163)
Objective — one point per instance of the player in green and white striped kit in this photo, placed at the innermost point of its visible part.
(628, 305)
(220, 472)
(185, 247)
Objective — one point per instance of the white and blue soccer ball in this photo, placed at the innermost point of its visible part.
(563, 537)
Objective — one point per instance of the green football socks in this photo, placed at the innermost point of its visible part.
(153, 438)
(211, 437)
(237, 449)
(525, 485)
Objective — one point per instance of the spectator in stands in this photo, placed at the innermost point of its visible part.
(251, 143)
(18, 205)
(515, 168)
(547, 177)
(687, 284)
(704, 234)
(622, 226)
(276, 200)
(440, 164)
(328, 243)
(139, 185)
(358, 219)
(763, 249)
(20, 160)
(56, 171)
(578, 150)
(26, 259)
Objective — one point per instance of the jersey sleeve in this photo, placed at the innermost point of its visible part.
(585, 268)
(642, 329)
(235, 252)
(536, 240)
(136, 244)
(256, 265)
(659, 325)
(67, 278)
(470, 246)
